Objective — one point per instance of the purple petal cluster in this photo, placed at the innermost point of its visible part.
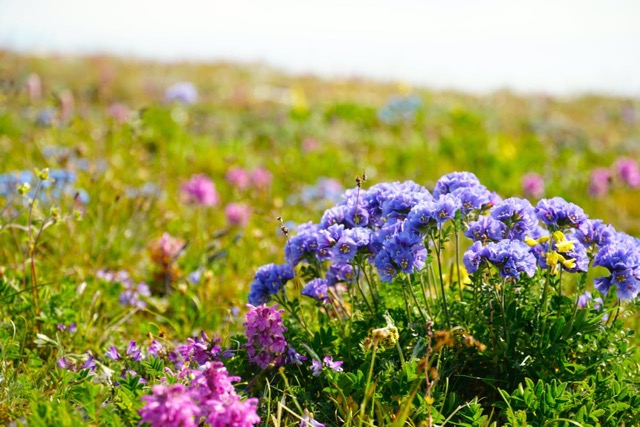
(268, 280)
(622, 258)
(210, 398)
(316, 289)
(511, 257)
(557, 213)
(200, 190)
(265, 335)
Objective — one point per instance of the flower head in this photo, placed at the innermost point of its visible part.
(170, 405)
(200, 190)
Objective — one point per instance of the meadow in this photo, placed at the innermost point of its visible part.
(224, 244)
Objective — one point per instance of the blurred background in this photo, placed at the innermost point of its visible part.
(557, 47)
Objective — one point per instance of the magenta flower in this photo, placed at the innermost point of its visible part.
(200, 190)
(533, 186)
(265, 334)
(600, 182)
(233, 412)
(261, 178)
(238, 178)
(628, 171)
(238, 214)
(170, 406)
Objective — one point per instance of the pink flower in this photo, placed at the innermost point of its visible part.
(239, 178)
(170, 406)
(628, 171)
(309, 144)
(600, 182)
(238, 214)
(201, 190)
(261, 178)
(119, 112)
(34, 87)
(533, 186)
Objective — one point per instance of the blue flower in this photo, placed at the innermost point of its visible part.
(486, 229)
(268, 280)
(518, 215)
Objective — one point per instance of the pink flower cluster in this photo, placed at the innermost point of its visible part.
(533, 186)
(242, 179)
(265, 334)
(210, 397)
(200, 190)
(625, 169)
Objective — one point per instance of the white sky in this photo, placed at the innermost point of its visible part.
(562, 46)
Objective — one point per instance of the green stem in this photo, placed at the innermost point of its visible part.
(363, 405)
(444, 297)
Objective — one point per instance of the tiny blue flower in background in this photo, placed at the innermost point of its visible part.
(182, 92)
(399, 109)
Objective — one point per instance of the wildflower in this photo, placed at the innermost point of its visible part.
(518, 215)
(261, 178)
(445, 208)
(622, 259)
(599, 182)
(454, 180)
(120, 113)
(512, 257)
(134, 352)
(340, 272)
(486, 229)
(268, 280)
(170, 405)
(585, 298)
(155, 348)
(557, 212)
(307, 421)
(182, 92)
(316, 289)
(265, 335)
(238, 214)
(132, 293)
(628, 171)
(293, 357)
(533, 186)
(238, 178)
(199, 349)
(316, 367)
(306, 243)
(201, 190)
(112, 353)
(472, 198)
(233, 412)
(594, 231)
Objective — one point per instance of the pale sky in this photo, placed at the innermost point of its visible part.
(561, 47)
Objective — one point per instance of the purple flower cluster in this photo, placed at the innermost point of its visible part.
(210, 398)
(268, 280)
(318, 366)
(265, 335)
(622, 258)
(511, 257)
(132, 291)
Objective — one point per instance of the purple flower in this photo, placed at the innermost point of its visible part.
(594, 231)
(518, 215)
(622, 259)
(472, 198)
(268, 280)
(486, 229)
(445, 208)
(155, 348)
(340, 272)
(133, 351)
(316, 367)
(533, 186)
(233, 412)
(294, 358)
(334, 366)
(182, 92)
(199, 349)
(308, 242)
(454, 180)
(112, 353)
(511, 257)
(316, 289)
(305, 421)
(200, 190)
(266, 344)
(586, 298)
(344, 250)
(170, 406)
(558, 213)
